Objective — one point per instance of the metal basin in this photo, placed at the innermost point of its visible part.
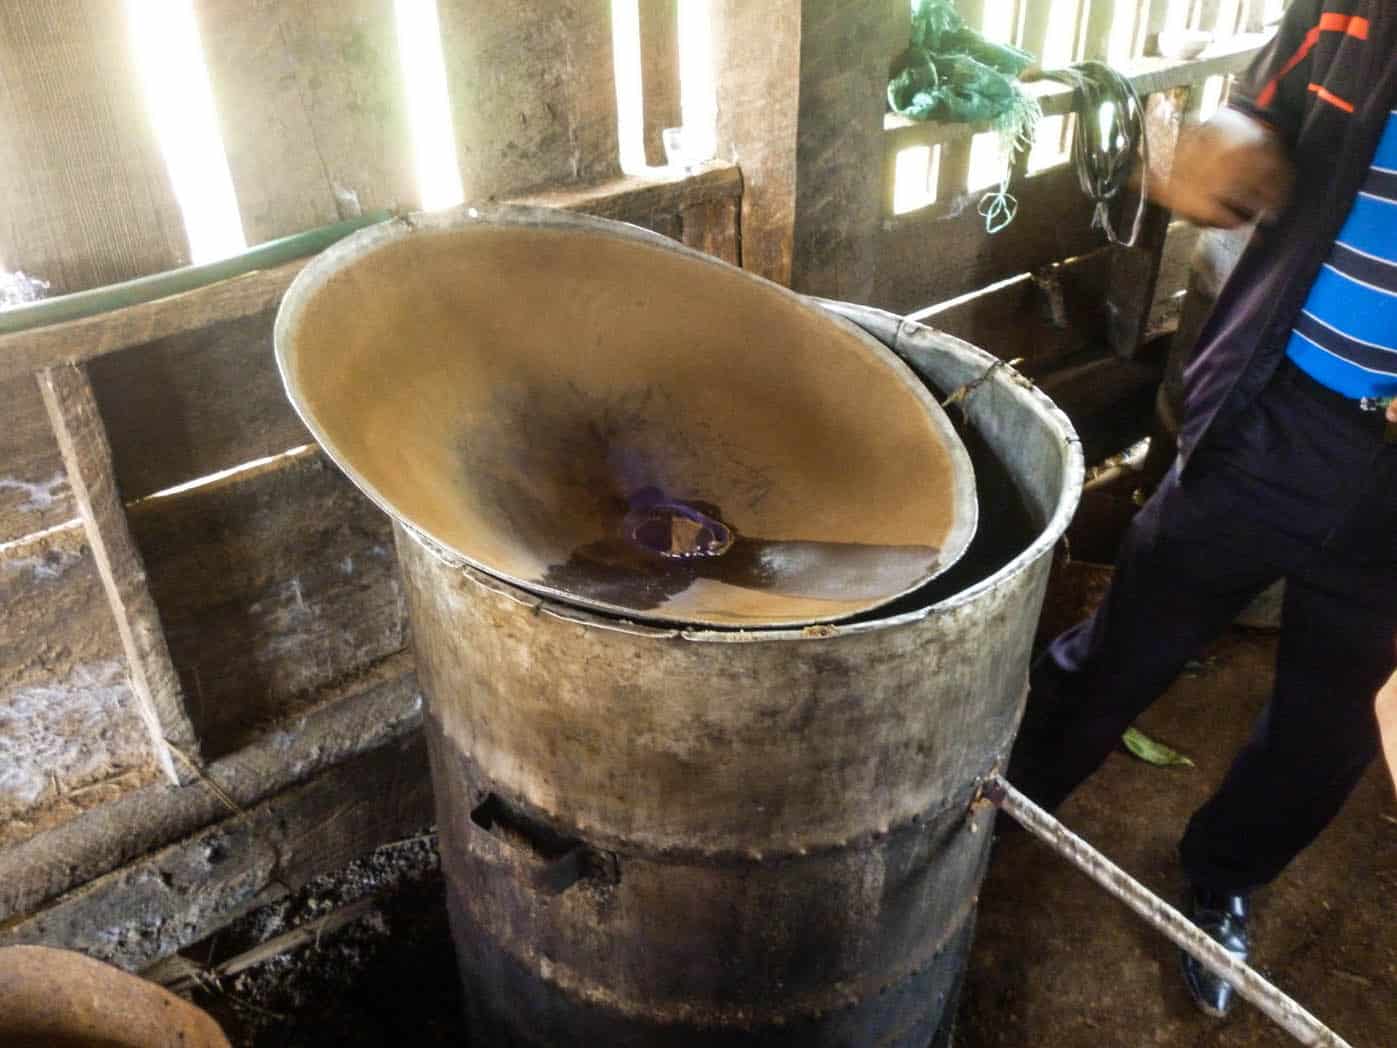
(600, 415)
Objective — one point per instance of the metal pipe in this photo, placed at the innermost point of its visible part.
(1284, 1011)
(96, 300)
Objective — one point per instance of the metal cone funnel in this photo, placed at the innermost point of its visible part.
(598, 414)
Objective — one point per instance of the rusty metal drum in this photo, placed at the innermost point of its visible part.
(667, 836)
(662, 834)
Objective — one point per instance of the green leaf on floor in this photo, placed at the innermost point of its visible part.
(1151, 752)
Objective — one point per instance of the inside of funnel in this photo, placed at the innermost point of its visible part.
(1008, 525)
(622, 424)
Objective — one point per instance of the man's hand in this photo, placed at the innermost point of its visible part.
(1392, 410)
(1226, 173)
(1386, 709)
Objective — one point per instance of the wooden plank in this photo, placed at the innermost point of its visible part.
(712, 228)
(645, 200)
(194, 404)
(844, 53)
(757, 49)
(159, 904)
(34, 491)
(82, 440)
(926, 257)
(533, 92)
(1044, 319)
(271, 583)
(659, 73)
(312, 109)
(650, 201)
(84, 197)
(351, 718)
(74, 341)
(68, 718)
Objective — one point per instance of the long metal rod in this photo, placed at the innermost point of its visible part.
(1284, 1011)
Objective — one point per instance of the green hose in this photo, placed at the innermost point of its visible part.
(97, 300)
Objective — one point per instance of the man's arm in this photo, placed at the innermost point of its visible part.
(1386, 709)
(1236, 167)
(1227, 172)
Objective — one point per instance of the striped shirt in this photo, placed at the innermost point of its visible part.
(1346, 336)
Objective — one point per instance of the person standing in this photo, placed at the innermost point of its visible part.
(1287, 468)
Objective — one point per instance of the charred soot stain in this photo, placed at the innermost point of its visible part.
(1006, 528)
(621, 571)
(675, 529)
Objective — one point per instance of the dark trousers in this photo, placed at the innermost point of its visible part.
(1301, 486)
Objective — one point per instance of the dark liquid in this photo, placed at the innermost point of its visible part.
(1006, 528)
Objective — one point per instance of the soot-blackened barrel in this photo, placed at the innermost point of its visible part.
(665, 837)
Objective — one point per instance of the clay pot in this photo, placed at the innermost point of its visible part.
(59, 999)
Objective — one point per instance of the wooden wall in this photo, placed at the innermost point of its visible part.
(203, 635)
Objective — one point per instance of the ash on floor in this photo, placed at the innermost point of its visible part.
(388, 978)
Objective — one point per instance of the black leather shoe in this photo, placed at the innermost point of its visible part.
(1224, 919)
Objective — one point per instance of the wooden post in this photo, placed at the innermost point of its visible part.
(533, 93)
(953, 172)
(757, 56)
(312, 109)
(84, 197)
(711, 227)
(82, 440)
(844, 54)
(1135, 270)
(1097, 41)
(659, 73)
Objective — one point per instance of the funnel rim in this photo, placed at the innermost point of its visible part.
(964, 506)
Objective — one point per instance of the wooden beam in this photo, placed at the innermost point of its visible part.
(630, 199)
(927, 256)
(74, 341)
(171, 412)
(533, 93)
(272, 583)
(70, 732)
(351, 718)
(757, 49)
(137, 915)
(82, 441)
(312, 110)
(635, 198)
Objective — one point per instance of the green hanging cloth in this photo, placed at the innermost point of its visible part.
(949, 72)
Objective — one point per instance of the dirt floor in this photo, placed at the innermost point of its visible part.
(1056, 961)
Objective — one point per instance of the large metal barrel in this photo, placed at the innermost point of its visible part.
(658, 836)
(662, 835)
